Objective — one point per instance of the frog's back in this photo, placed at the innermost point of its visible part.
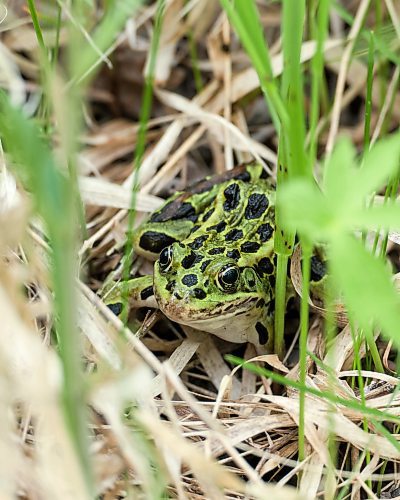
(186, 212)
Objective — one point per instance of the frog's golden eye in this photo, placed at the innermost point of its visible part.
(228, 278)
(165, 259)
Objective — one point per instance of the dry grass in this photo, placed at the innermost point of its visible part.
(164, 405)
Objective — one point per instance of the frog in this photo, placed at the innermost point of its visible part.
(214, 260)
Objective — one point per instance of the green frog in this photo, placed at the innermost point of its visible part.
(213, 247)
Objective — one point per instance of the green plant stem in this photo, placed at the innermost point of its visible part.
(369, 337)
(368, 97)
(361, 386)
(330, 333)
(319, 30)
(280, 304)
(368, 105)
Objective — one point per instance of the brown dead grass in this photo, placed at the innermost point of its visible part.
(215, 432)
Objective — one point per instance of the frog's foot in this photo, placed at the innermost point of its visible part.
(138, 291)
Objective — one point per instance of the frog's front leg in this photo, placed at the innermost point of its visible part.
(139, 292)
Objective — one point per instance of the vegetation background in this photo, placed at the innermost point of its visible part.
(112, 105)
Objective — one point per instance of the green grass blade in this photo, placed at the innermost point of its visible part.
(244, 17)
(353, 403)
(139, 152)
(292, 80)
(319, 32)
(87, 55)
(368, 97)
(36, 25)
(54, 200)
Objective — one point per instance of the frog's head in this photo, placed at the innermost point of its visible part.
(207, 291)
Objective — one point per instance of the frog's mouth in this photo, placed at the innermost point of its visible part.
(182, 309)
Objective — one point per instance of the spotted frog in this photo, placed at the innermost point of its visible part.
(215, 264)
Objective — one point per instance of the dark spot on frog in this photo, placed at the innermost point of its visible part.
(181, 245)
(251, 283)
(250, 247)
(194, 229)
(271, 307)
(204, 265)
(272, 280)
(164, 214)
(256, 206)
(216, 251)
(170, 212)
(198, 242)
(232, 197)
(264, 174)
(190, 280)
(170, 286)
(190, 260)
(186, 211)
(234, 235)
(153, 241)
(115, 308)
(207, 215)
(176, 294)
(218, 227)
(207, 282)
(318, 268)
(199, 293)
(244, 176)
(146, 293)
(265, 231)
(262, 333)
(265, 266)
(233, 254)
(260, 303)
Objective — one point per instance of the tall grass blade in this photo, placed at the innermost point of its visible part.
(54, 201)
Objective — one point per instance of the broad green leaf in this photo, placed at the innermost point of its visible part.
(339, 176)
(305, 209)
(365, 282)
(377, 217)
(381, 162)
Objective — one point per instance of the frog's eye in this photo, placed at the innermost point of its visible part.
(165, 259)
(228, 278)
